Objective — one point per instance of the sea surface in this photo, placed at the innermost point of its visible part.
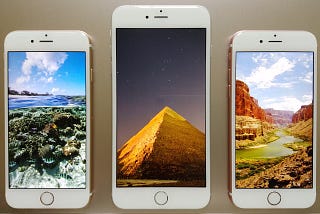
(18, 101)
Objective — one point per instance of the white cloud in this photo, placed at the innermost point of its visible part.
(55, 90)
(308, 77)
(288, 103)
(261, 58)
(50, 79)
(22, 79)
(263, 77)
(307, 98)
(306, 60)
(46, 63)
(46, 80)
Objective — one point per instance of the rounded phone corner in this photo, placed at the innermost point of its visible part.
(312, 36)
(204, 10)
(87, 37)
(205, 202)
(116, 201)
(239, 204)
(118, 10)
(10, 36)
(85, 202)
(11, 202)
(311, 203)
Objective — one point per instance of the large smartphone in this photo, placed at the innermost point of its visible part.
(47, 119)
(161, 65)
(272, 93)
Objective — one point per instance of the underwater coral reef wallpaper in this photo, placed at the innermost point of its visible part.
(47, 120)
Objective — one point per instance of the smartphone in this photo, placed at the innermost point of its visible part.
(272, 94)
(47, 119)
(161, 140)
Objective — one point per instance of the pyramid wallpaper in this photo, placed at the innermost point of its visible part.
(161, 86)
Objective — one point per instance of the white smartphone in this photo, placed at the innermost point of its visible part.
(272, 93)
(47, 119)
(161, 83)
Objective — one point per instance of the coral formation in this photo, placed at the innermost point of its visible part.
(43, 143)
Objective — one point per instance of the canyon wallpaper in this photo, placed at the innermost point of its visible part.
(274, 112)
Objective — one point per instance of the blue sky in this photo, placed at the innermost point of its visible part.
(59, 73)
(278, 80)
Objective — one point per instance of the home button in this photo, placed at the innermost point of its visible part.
(161, 198)
(47, 198)
(274, 198)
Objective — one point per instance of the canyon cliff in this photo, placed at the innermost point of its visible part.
(303, 114)
(280, 117)
(247, 105)
(251, 120)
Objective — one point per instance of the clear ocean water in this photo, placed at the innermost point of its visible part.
(38, 101)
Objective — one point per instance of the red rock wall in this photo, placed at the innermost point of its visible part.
(303, 114)
(281, 117)
(247, 105)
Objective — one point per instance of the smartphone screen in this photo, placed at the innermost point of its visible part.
(161, 107)
(46, 119)
(274, 119)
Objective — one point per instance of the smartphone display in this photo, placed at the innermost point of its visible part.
(161, 97)
(272, 123)
(274, 119)
(47, 119)
(161, 107)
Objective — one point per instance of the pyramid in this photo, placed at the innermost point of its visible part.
(167, 148)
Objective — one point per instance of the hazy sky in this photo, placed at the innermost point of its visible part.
(278, 80)
(158, 68)
(59, 73)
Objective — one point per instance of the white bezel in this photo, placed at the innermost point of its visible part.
(62, 41)
(291, 41)
(178, 17)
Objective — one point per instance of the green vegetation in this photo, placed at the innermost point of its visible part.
(143, 182)
(249, 167)
(298, 145)
(302, 130)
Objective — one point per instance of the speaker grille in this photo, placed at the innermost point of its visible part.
(160, 17)
(46, 41)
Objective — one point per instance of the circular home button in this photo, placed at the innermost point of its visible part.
(274, 198)
(47, 198)
(161, 198)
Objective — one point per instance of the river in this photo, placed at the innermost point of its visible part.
(271, 150)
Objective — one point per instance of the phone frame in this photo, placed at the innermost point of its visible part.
(134, 16)
(62, 40)
(250, 41)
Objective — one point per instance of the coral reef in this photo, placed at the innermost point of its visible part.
(45, 146)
